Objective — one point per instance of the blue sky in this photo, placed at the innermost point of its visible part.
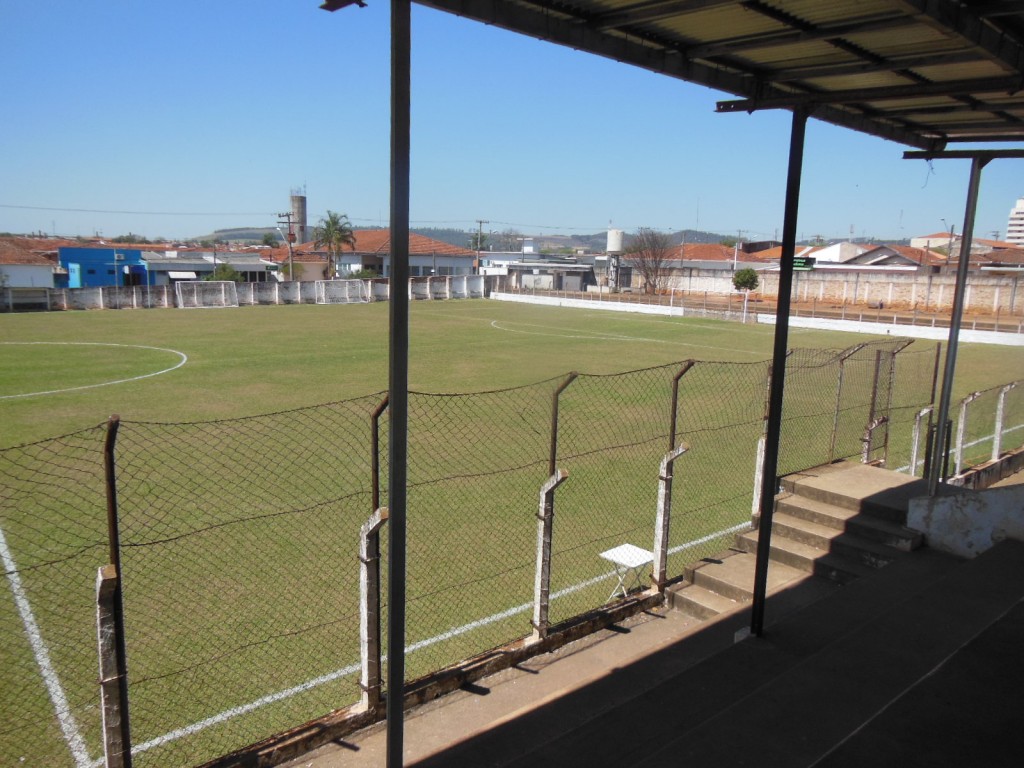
(174, 119)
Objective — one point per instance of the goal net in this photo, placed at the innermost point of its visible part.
(206, 293)
(342, 291)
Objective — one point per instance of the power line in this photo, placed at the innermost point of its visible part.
(138, 213)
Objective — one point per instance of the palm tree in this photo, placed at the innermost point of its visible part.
(334, 232)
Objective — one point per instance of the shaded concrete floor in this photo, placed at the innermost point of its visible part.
(916, 664)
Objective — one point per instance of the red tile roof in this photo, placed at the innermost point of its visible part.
(702, 252)
(1003, 256)
(31, 250)
(921, 256)
(371, 241)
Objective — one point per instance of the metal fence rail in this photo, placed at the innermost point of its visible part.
(240, 540)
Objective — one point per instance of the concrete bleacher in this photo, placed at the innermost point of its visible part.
(910, 661)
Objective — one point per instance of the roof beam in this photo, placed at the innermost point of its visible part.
(966, 154)
(653, 11)
(860, 95)
(793, 36)
(949, 17)
(655, 56)
(848, 68)
(998, 8)
(950, 109)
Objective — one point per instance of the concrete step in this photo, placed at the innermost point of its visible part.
(701, 603)
(732, 575)
(850, 520)
(803, 557)
(832, 541)
(869, 490)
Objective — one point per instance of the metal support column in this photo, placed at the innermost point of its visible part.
(398, 373)
(769, 479)
(937, 464)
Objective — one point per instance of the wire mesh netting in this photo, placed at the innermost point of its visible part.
(53, 536)
(240, 579)
(239, 538)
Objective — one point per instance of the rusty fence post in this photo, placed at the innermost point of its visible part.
(116, 598)
(371, 675)
(663, 518)
(542, 580)
(113, 706)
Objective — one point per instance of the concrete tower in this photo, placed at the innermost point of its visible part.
(299, 215)
(1015, 226)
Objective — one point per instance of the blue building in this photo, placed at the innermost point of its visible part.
(99, 267)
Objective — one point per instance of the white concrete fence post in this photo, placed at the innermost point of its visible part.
(664, 516)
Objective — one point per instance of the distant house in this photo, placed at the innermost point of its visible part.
(895, 258)
(94, 267)
(979, 245)
(372, 252)
(27, 263)
(172, 266)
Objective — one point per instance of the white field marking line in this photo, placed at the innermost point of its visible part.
(240, 710)
(419, 645)
(615, 337)
(61, 708)
(181, 362)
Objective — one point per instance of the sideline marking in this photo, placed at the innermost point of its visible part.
(68, 725)
(496, 324)
(181, 362)
(227, 714)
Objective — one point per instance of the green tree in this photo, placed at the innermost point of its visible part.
(334, 232)
(745, 280)
(269, 239)
(478, 241)
(225, 271)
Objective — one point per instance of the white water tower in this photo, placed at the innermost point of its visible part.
(614, 251)
(614, 241)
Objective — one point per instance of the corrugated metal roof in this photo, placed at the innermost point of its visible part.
(863, 65)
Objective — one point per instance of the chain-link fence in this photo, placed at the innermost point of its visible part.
(988, 422)
(239, 539)
(53, 536)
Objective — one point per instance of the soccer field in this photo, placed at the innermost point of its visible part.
(241, 495)
(194, 365)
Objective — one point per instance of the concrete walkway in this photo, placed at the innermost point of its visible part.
(916, 664)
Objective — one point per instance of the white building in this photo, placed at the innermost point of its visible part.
(1015, 226)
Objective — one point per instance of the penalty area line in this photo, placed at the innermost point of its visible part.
(61, 707)
(419, 645)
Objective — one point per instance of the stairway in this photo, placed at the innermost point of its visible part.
(840, 521)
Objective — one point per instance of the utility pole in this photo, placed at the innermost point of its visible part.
(736, 247)
(480, 239)
(291, 239)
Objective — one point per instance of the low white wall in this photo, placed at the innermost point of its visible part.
(968, 523)
(913, 331)
(612, 305)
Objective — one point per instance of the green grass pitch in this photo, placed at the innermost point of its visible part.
(64, 372)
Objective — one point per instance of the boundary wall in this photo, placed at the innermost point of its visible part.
(249, 294)
(985, 293)
(851, 326)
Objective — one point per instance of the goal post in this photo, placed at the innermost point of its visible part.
(342, 291)
(206, 293)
